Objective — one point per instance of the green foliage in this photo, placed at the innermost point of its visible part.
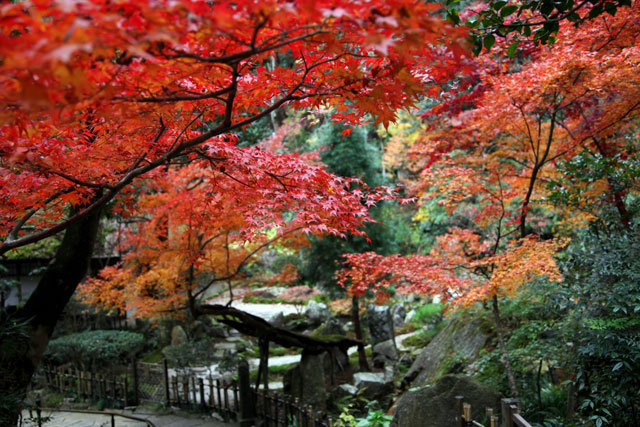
(422, 338)
(183, 356)
(353, 406)
(375, 418)
(45, 248)
(428, 313)
(95, 348)
(497, 19)
(603, 272)
(356, 155)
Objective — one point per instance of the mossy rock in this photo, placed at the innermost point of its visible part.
(436, 406)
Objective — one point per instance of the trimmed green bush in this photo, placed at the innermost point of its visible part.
(90, 349)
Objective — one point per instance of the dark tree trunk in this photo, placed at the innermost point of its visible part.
(44, 307)
(503, 347)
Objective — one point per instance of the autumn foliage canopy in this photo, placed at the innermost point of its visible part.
(97, 94)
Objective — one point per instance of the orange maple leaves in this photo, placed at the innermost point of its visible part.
(457, 269)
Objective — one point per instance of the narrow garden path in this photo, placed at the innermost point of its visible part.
(71, 419)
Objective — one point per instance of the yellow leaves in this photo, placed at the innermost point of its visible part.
(526, 260)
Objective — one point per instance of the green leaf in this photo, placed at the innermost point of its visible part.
(498, 5)
(453, 16)
(617, 366)
(508, 10)
(489, 41)
(512, 49)
(610, 8)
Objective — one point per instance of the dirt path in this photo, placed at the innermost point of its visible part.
(71, 419)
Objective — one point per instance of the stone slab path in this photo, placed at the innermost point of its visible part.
(72, 419)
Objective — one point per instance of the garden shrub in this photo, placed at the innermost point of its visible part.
(91, 349)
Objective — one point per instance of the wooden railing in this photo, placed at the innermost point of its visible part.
(281, 410)
(148, 383)
(510, 415)
(206, 393)
(88, 385)
(39, 419)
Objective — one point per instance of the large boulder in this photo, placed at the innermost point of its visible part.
(178, 336)
(384, 353)
(317, 312)
(380, 323)
(436, 406)
(331, 327)
(306, 380)
(460, 337)
(375, 386)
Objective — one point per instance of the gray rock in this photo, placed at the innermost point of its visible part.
(380, 323)
(306, 381)
(461, 337)
(331, 326)
(348, 389)
(375, 386)
(410, 315)
(384, 353)
(178, 335)
(213, 329)
(436, 406)
(340, 361)
(317, 312)
(197, 330)
(217, 331)
(405, 360)
(164, 333)
(292, 381)
(277, 319)
(362, 379)
(398, 313)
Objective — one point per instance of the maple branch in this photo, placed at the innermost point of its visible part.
(237, 57)
(79, 181)
(13, 234)
(136, 172)
(534, 173)
(277, 178)
(177, 98)
(228, 113)
(244, 260)
(524, 117)
(184, 129)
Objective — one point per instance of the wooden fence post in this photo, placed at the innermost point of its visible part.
(247, 409)
(165, 370)
(488, 414)
(203, 402)
(176, 395)
(459, 400)
(136, 381)
(466, 409)
(507, 419)
(185, 388)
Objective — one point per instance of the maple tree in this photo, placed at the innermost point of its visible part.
(196, 226)
(511, 136)
(95, 95)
